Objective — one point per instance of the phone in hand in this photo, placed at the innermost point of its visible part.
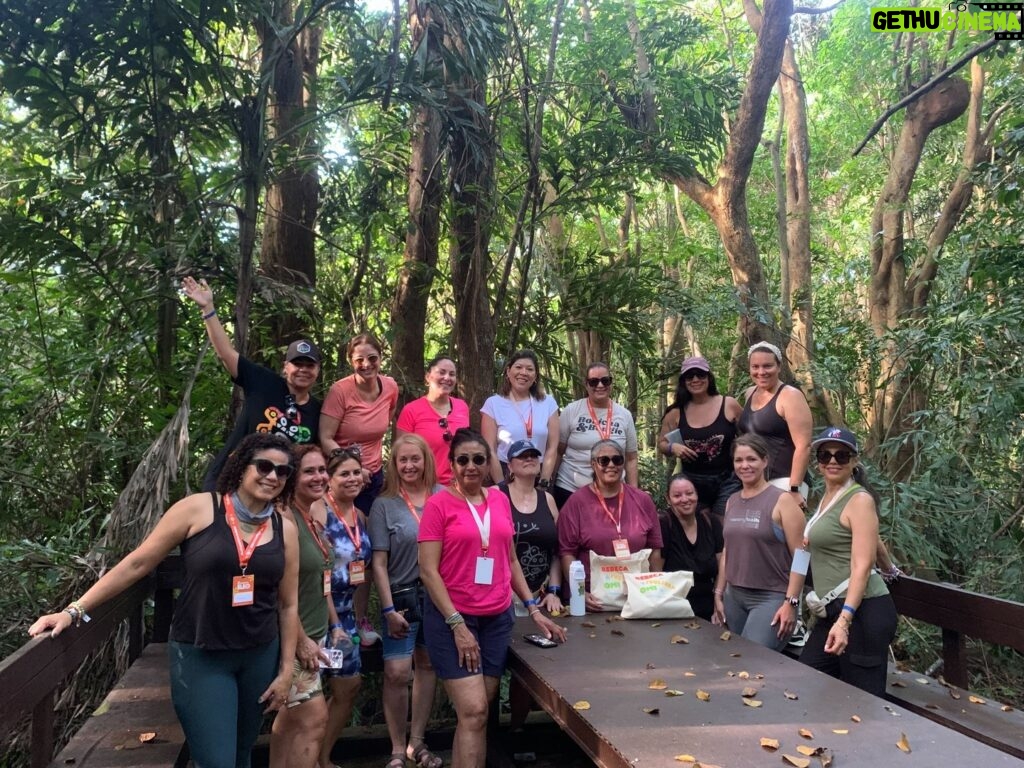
(540, 641)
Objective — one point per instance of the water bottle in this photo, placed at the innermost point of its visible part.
(577, 589)
(520, 607)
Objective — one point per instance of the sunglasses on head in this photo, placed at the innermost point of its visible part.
(603, 381)
(604, 461)
(443, 424)
(695, 375)
(478, 459)
(841, 456)
(349, 452)
(265, 466)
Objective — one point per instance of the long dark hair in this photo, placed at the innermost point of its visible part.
(860, 476)
(230, 477)
(299, 452)
(683, 395)
(505, 386)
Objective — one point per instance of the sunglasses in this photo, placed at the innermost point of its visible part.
(291, 410)
(842, 457)
(443, 424)
(604, 381)
(695, 375)
(604, 461)
(478, 459)
(265, 466)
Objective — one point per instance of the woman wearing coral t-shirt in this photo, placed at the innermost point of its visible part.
(358, 411)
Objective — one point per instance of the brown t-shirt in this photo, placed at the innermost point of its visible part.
(757, 556)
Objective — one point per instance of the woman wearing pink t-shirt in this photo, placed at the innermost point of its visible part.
(469, 567)
(437, 415)
(357, 413)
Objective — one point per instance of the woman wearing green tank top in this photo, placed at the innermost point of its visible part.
(841, 541)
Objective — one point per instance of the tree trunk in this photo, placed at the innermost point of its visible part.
(409, 312)
(288, 253)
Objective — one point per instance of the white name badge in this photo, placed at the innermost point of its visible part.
(801, 560)
(484, 570)
(621, 547)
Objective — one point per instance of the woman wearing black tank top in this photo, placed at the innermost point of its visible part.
(779, 413)
(698, 429)
(234, 628)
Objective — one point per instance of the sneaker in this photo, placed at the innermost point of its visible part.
(367, 635)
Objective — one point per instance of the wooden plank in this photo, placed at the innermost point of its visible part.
(42, 732)
(952, 707)
(29, 674)
(613, 674)
(139, 704)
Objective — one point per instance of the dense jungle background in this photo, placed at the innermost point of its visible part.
(632, 180)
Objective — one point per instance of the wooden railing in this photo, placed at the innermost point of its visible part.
(959, 614)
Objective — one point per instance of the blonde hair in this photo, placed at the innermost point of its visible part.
(392, 480)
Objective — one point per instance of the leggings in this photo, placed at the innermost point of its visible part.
(749, 613)
(216, 697)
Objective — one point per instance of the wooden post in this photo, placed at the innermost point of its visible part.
(42, 732)
(954, 658)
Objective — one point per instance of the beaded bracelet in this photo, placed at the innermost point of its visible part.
(454, 620)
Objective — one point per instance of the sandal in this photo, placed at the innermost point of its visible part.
(397, 760)
(424, 758)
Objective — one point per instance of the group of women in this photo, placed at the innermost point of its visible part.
(278, 559)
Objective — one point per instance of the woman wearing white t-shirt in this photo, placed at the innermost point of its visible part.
(582, 424)
(521, 411)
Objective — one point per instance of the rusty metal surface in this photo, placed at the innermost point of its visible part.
(613, 674)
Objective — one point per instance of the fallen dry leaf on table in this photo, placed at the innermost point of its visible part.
(618, 633)
(806, 733)
(692, 625)
(954, 694)
(648, 665)
(616, 617)
(589, 624)
(903, 744)
(799, 762)
(686, 758)
(976, 700)
(790, 695)
(689, 674)
(759, 676)
(743, 675)
(753, 703)
(703, 695)
(749, 692)
(922, 680)
(808, 751)
(770, 744)
(581, 705)
(657, 685)
(898, 684)
(652, 711)
(146, 737)
(725, 635)
(592, 635)
(1006, 708)
(656, 624)
(841, 731)
(679, 640)
(855, 718)
(735, 655)
(674, 692)
(730, 673)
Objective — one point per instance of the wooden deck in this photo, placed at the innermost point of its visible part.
(613, 673)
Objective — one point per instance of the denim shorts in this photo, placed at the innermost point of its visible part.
(402, 648)
(493, 633)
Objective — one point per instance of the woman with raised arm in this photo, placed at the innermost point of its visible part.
(692, 541)
(521, 411)
(698, 430)
(358, 411)
(469, 568)
(281, 405)
(607, 517)
(582, 423)
(852, 641)
(232, 643)
(437, 415)
(298, 729)
(755, 594)
(351, 552)
(778, 413)
(394, 527)
(535, 518)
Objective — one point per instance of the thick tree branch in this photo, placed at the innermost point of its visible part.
(922, 90)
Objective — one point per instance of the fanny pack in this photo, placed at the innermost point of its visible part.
(408, 599)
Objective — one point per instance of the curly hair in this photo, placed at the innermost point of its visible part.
(238, 461)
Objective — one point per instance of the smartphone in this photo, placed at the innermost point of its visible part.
(540, 641)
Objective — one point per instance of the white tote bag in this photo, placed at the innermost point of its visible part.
(606, 572)
(658, 595)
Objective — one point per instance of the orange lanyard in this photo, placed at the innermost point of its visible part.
(408, 503)
(352, 531)
(616, 521)
(605, 433)
(527, 422)
(312, 526)
(244, 551)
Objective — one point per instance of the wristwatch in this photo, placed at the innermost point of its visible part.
(794, 601)
(794, 489)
